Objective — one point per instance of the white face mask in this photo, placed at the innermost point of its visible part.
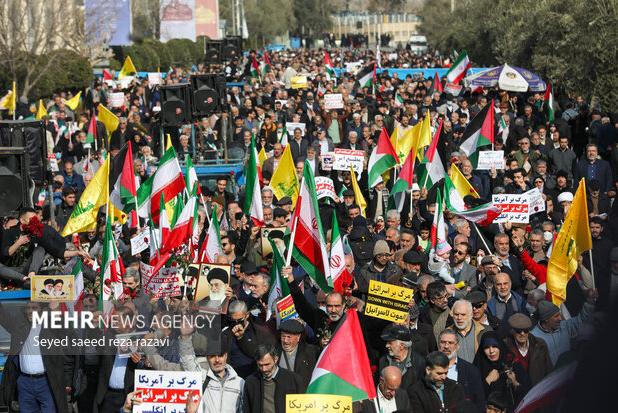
(548, 236)
(255, 312)
(323, 308)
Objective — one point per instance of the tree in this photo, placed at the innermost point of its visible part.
(267, 19)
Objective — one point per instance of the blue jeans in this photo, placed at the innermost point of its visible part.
(34, 395)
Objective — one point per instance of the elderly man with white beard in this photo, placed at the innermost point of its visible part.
(468, 331)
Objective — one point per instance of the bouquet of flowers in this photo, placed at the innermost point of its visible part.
(34, 228)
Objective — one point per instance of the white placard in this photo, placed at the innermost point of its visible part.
(327, 160)
(140, 242)
(125, 82)
(333, 101)
(155, 78)
(537, 203)
(116, 99)
(515, 208)
(290, 126)
(353, 67)
(166, 391)
(346, 157)
(489, 159)
(325, 187)
(165, 283)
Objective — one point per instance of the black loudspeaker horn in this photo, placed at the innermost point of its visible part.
(14, 181)
(208, 94)
(31, 136)
(175, 104)
(212, 52)
(232, 48)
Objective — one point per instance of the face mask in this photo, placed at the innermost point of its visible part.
(323, 308)
(255, 312)
(548, 237)
(531, 309)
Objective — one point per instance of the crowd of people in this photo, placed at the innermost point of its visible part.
(480, 331)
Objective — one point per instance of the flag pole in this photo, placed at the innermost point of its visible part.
(481, 237)
(288, 257)
(592, 269)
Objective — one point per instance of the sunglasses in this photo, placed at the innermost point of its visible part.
(521, 330)
(478, 305)
(458, 252)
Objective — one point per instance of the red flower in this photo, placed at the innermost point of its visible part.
(108, 282)
(34, 228)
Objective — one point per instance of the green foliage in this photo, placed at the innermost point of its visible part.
(569, 42)
(267, 19)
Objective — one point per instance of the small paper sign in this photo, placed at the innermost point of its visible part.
(490, 159)
(333, 101)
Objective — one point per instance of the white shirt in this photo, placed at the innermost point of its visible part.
(452, 371)
(30, 360)
(116, 378)
(383, 405)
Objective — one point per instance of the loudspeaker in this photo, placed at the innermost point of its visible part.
(30, 135)
(212, 52)
(359, 24)
(14, 182)
(175, 104)
(209, 94)
(232, 47)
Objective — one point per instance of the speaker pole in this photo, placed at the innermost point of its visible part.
(52, 205)
(224, 120)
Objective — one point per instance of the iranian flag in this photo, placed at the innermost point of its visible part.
(253, 194)
(111, 266)
(478, 133)
(122, 182)
(437, 83)
(383, 158)
(328, 65)
(191, 181)
(211, 247)
(279, 287)
(482, 215)
(309, 241)
(338, 271)
(182, 229)
(91, 135)
(398, 100)
(255, 69)
(78, 284)
(548, 103)
(439, 243)
(433, 169)
(266, 65)
(459, 68)
(343, 367)
(167, 181)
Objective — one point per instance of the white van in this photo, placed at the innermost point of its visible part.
(418, 43)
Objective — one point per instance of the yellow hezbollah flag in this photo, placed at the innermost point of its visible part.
(9, 101)
(128, 68)
(262, 157)
(284, 181)
(84, 216)
(402, 142)
(110, 120)
(118, 216)
(168, 142)
(461, 183)
(422, 136)
(358, 195)
(74, 101)
(573, 239)
(41, 112)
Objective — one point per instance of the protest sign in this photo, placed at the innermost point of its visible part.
(536, 201)
(276, 234)
(387, 301)
(344, 158)
(140, 242)
(125, 82)
(317, 403)
(166, 391)
(212, 282)
(286, 309)
(325, 187)
(130, 343)
(298, 82)
(452, 88)
(515, 208)
(154, 78)
(490, 159)
(165, 283)
(116, 99)
(46, 288)
(333, 101)
(327, 160)
(290, 126)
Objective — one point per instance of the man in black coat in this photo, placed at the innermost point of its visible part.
(296, 354)
(464, 373)
(39, 376)
(400, 354)
(389, 395)
(266, 389)
(424, 396)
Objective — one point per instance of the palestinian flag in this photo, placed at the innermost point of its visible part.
(166, 181)
(253, 194)
(343, 367)
(342, 279)
(405, 179)
(383, 158)
(549, 391)
(255, 69)
(432, 169)
(279, 287)
(211, 247)
(182, 228)
(368, 77)
(111, 266)
(107, 75)
(437, 83)
(266, 65)
(309, 243)
(191, 181)
(91, 135)
(328, 65)
(122, 183)
(548, 103)
(478, 133)
(459, 68)
(439, 243)
(482, 215)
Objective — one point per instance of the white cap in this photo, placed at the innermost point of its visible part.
(415, 187)
(565, 197)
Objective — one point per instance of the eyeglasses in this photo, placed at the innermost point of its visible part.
(478, 305)
(458, 252)
(521, 330)
(441, 298)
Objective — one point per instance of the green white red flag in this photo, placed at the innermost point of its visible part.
(458, 69)
(478, 133)
(253, 194)
(433, 169)
(328, 65)
(439, 242)
(482, 215)
(548, 103)
(339, 273)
